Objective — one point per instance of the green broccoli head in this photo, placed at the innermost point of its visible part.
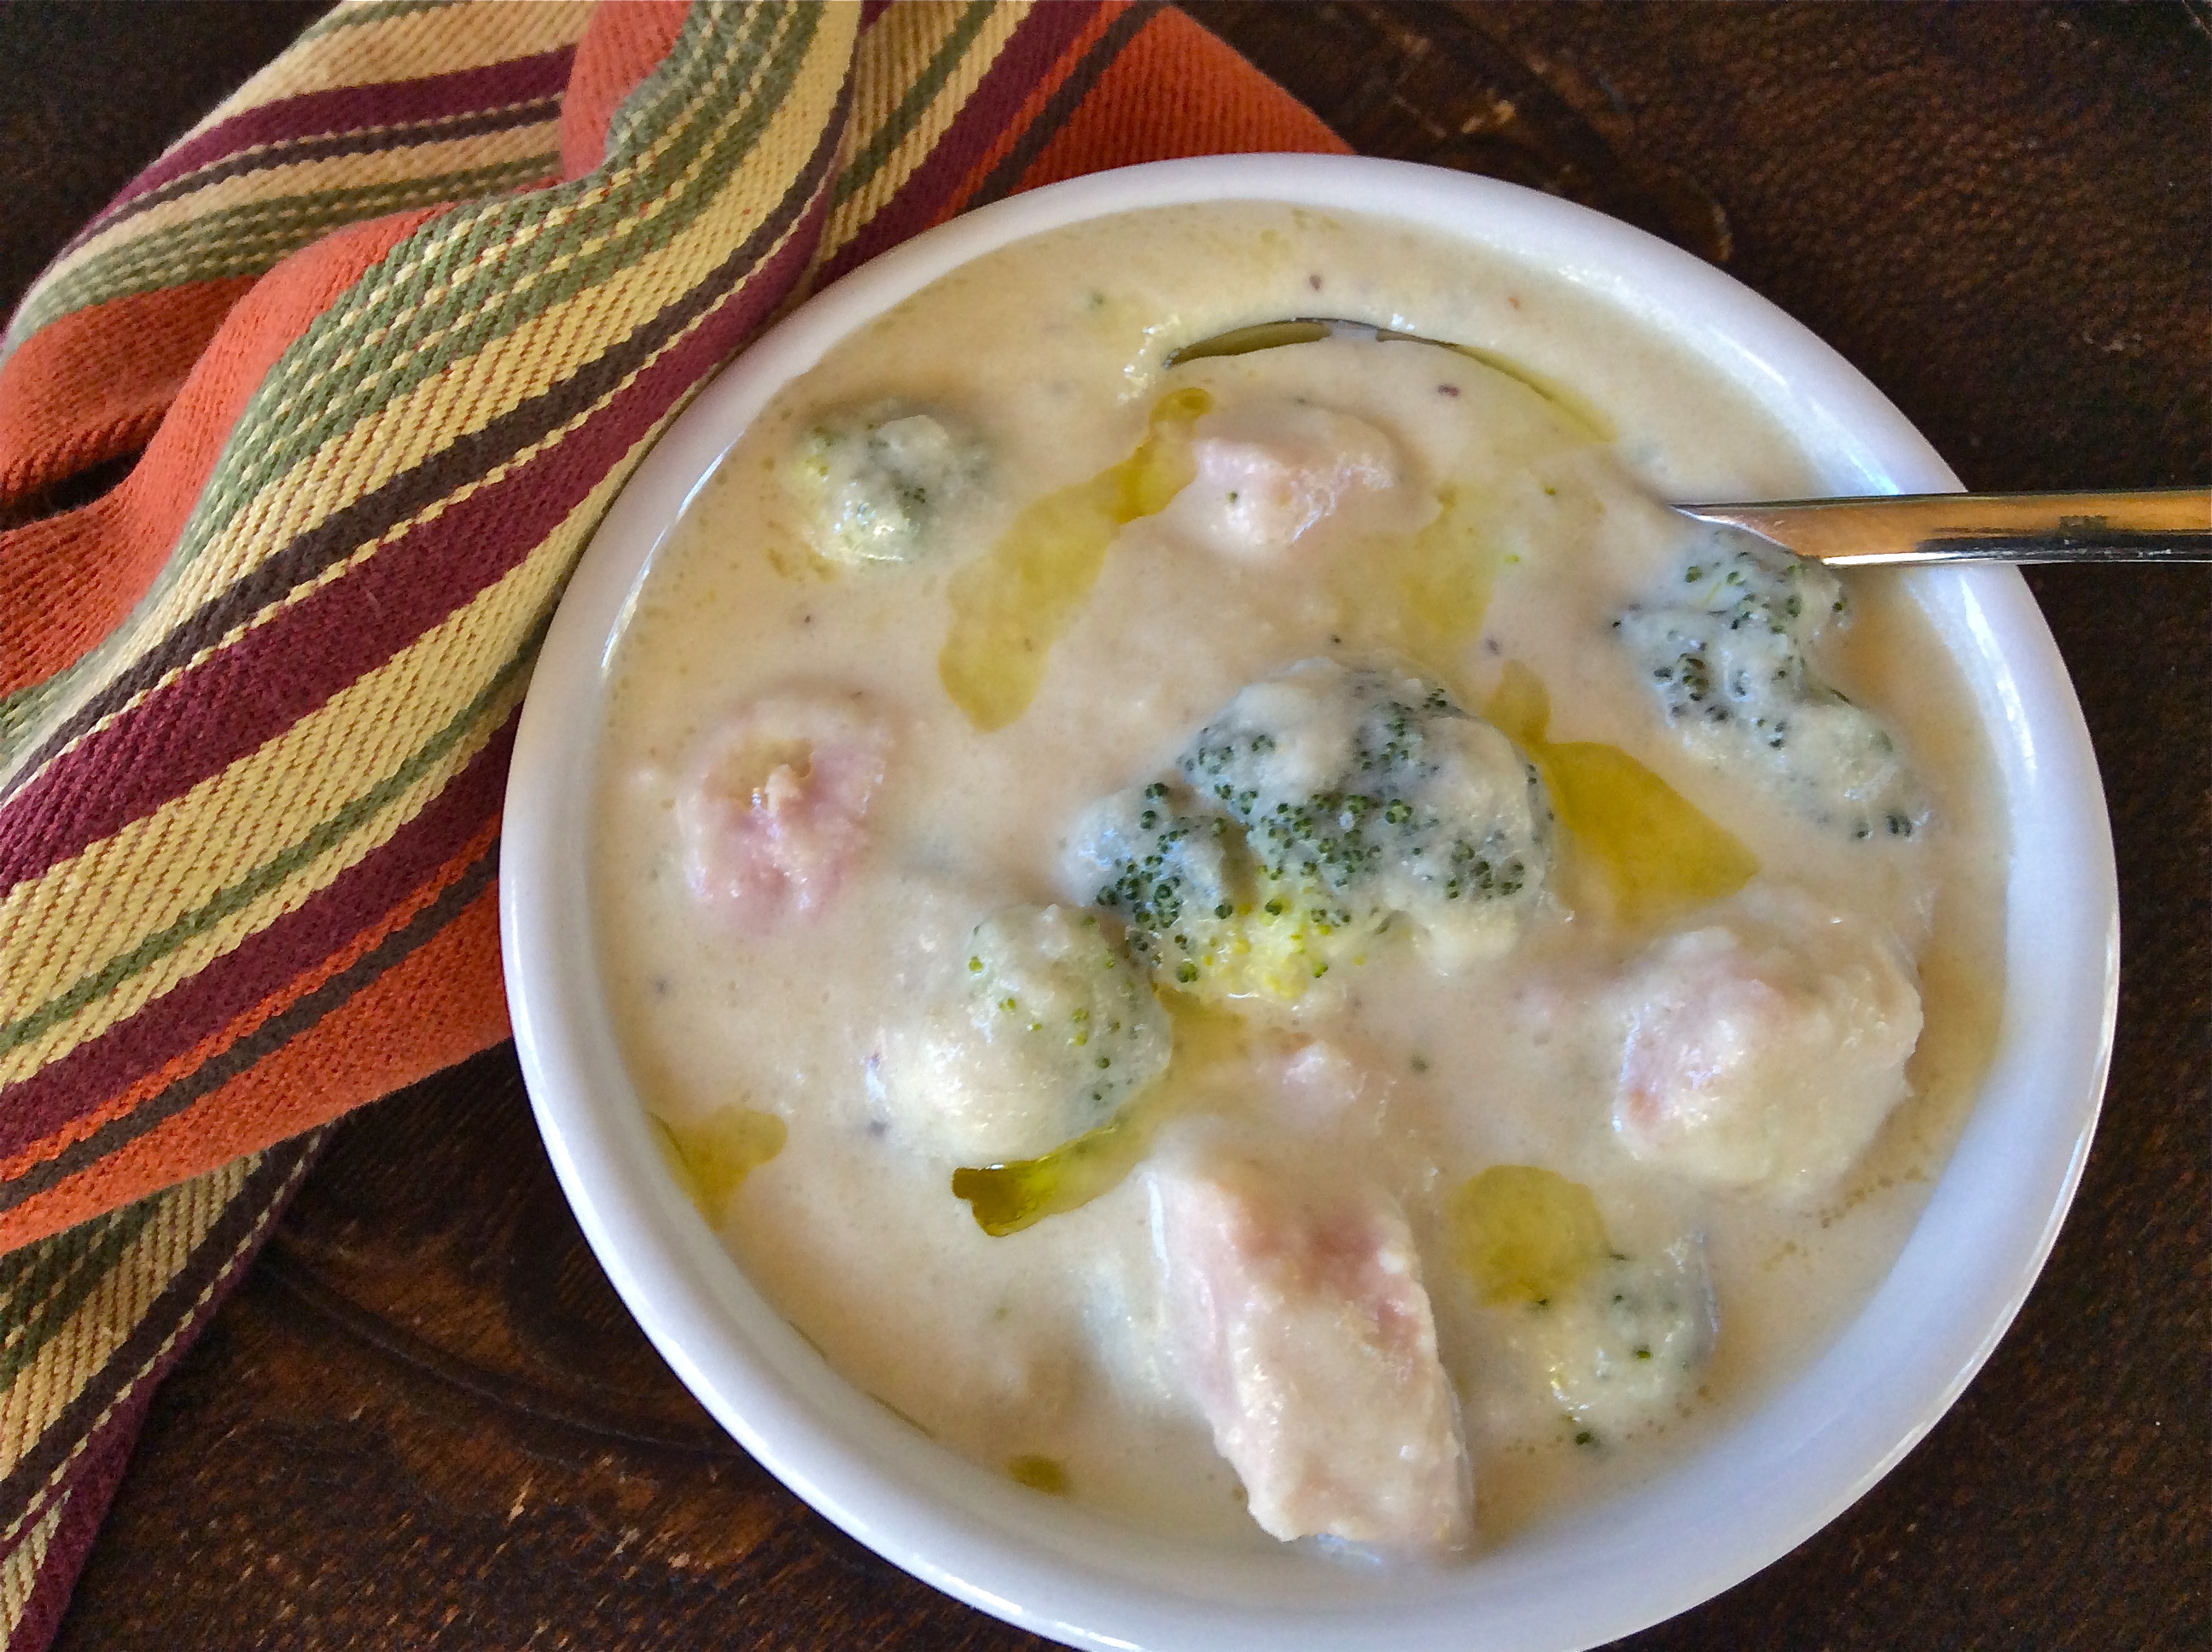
(1321, 808)
(1726, 648)
(877, 483)
(1036, 1032)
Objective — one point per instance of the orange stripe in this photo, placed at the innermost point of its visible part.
(94, 383)
(1178, 89)
(243, 1024)
(69, 580)
(622, 45)
(443, 1003)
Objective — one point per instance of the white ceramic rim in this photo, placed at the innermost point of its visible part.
(1784, 1472)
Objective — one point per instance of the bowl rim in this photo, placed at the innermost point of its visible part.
(1074, 1576)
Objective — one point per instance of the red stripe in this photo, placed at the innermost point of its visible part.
(1038, 44)
(237, 699)
(86, 1078)
(347, 108)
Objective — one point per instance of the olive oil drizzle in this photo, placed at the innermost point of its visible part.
(1422, 595)
(1011, 605)
(711, 1160)
(1658, 853)
(1526, 1235)
(1008, 1197)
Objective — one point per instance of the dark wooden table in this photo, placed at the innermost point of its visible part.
(425, 1421)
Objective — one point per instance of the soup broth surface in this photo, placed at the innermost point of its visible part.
(1014, 667)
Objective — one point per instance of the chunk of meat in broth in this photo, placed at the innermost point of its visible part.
(1764, 1052)
(1301, 1326)
(1267, 472)
(770, 809)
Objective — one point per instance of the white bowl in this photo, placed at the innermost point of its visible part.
(1762, 1486)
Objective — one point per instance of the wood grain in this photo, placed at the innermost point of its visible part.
(425, 1420)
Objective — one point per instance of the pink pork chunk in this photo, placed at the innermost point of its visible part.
(1302, 1327)
(1764, 1051)
(1269, 472)
(771, 811)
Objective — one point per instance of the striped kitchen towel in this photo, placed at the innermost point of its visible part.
(391, 326)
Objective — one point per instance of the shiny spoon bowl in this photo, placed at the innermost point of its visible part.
(2159, 524)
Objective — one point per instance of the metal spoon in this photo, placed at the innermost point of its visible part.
(2159, 524)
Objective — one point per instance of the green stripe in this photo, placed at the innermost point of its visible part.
(28, 1276)
(272, 873)
(74, 1265)
(903, 120)
(251, 237)
(374, 11)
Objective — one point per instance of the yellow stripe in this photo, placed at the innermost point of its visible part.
(45, 1388)
(891, 57)
(19, 1578)
(468, 36)
(335, 171)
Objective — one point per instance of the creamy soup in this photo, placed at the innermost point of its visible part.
(1258, 938)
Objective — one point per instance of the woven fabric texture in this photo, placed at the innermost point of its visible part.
(391, 325)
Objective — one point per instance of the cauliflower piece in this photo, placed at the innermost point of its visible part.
(1045, 1032)
(1299, 1320)
(1321, 806)
(770, 809)
(1765, 1051)
(1268, 471)
(1726, 656)
(875, 482)
(1628, 1343)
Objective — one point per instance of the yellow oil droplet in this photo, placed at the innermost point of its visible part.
(1658, 855)
(1006, 1198)
(1527, 1234)
(1011, 605)
(1046, 1474)
(712, 1159)
(1422, 595)
(1520, 705)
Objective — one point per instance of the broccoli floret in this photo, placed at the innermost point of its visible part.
(877, 483)
(1038, 1031)
(1627, 1345)
(1726, 651)
(1319, 808)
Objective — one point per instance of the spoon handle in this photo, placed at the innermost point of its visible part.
(2159, 524)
